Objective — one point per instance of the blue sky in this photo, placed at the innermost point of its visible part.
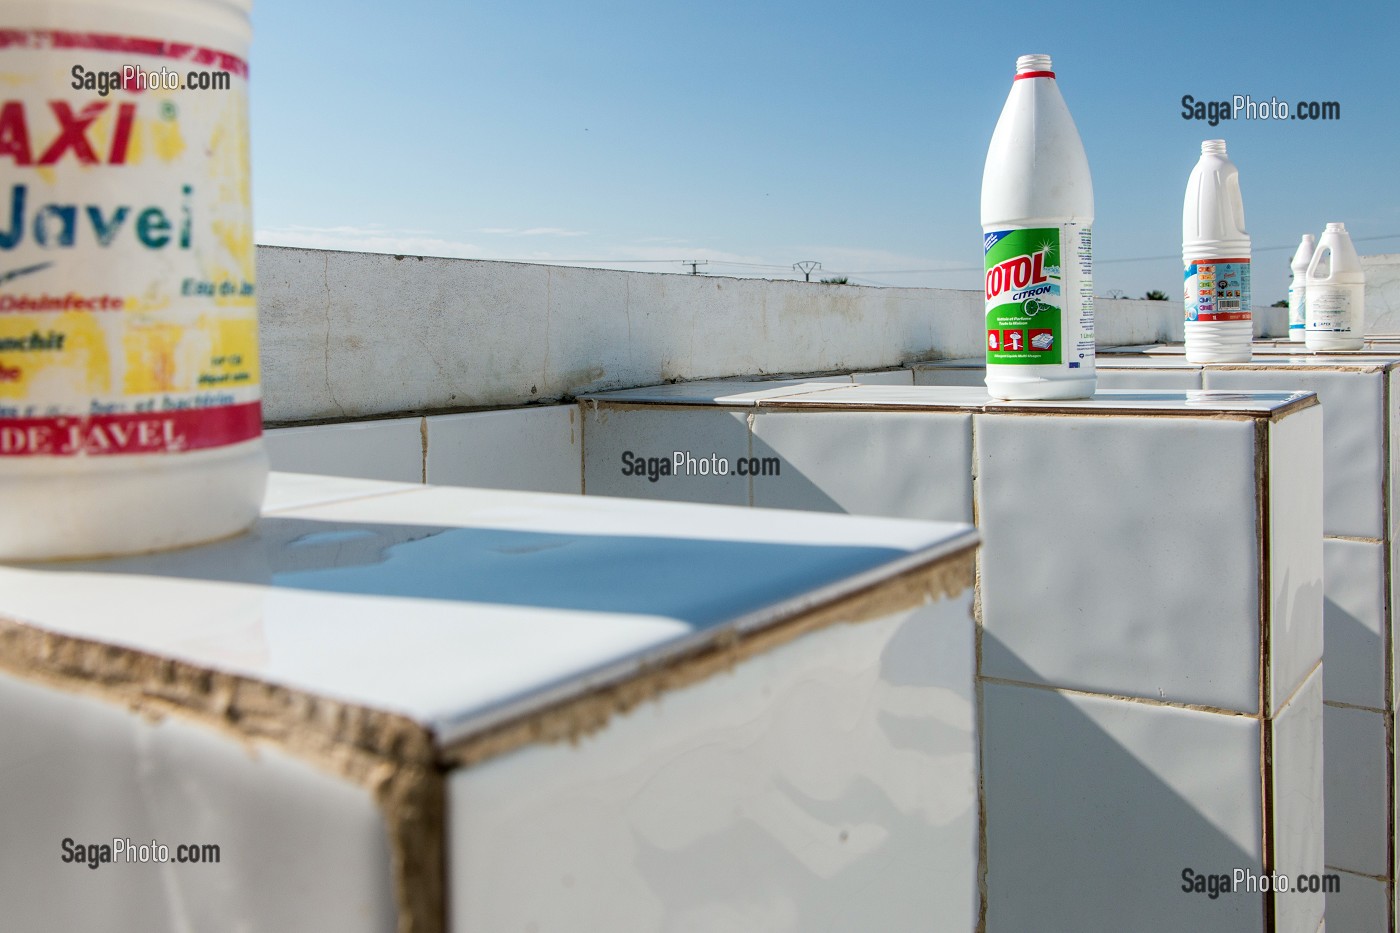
(756, 135)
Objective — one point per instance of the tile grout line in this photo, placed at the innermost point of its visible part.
(1119, 697)
(1263, 527)
(1388, 647)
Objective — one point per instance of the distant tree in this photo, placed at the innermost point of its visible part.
(1155, 295)
(1280, 304)
(839, 280)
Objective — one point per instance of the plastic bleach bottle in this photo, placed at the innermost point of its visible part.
(1037, 214)
(1336, 293)
(130, 410)
(1298, 289)
(1215, 251)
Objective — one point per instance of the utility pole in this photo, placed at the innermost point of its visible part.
(806, 267)
(693, 263)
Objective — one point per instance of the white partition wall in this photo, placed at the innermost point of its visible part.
(392, 707)
(1361, 413)
(1150, 600)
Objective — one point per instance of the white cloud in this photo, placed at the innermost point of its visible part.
(531, 231)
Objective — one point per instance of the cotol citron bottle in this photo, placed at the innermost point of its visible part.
(130, 414)
(1215, 252)
(1037, 214)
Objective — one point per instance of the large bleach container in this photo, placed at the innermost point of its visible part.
(1037, 215)
(1336, 293)
(1215, 250)
(1298, 288)
(130, 412)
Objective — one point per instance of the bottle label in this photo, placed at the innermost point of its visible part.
(1297, 306)
(128, 321)
(1330, 310)
(1037, 297)
(1217, 290)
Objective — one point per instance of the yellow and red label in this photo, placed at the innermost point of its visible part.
(128, 313)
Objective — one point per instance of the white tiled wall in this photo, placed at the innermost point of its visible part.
(616, 441)
(391, 450)
(1120, 579)
(828, 784)
(1098, 571)
(536, 449)
(1129, 795)
(1356, 773)
(1354, 426)
(298, 849)
(1298, 803)
(1361, 903)
(1353, 621)
(843, 463)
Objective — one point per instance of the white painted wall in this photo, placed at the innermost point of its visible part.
(352, 335)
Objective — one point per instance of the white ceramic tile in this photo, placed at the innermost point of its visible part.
(1354, 429)
(653, 452)
(719, 391)
(971, 372)
(1355, 772)
(970, 397)
(1127, 794)
(390, 450)
(893, 377)
(1130, 349)
(1120, 555)
(452, 605)
(1298, 803)
(293, 490)
(1360, 904)
(828, 784)
(537, 449)
(82, 768)
(1393, 533)
(1138, 377)
(895, 464)
(1295, 550)
(1354, 621)
(1113, 373)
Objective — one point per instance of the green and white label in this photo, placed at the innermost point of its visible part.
(1038, 299)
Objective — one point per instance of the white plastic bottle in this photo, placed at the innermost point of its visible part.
(1336, 293)
(130, 409)
(1037, 214)
(1298, 289)
(1215, 251)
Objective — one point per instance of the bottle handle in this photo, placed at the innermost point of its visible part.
(1316, 260)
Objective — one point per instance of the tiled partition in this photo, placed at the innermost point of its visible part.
(1150, 602)
(392, 707)
(1360, 400)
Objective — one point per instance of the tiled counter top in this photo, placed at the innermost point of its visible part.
(1150, 608)
(471, 710)
(1360, 397)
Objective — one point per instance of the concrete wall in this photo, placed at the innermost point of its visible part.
(1382, 293)
(353, 335)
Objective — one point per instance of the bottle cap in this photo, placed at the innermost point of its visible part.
(1035, 66)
